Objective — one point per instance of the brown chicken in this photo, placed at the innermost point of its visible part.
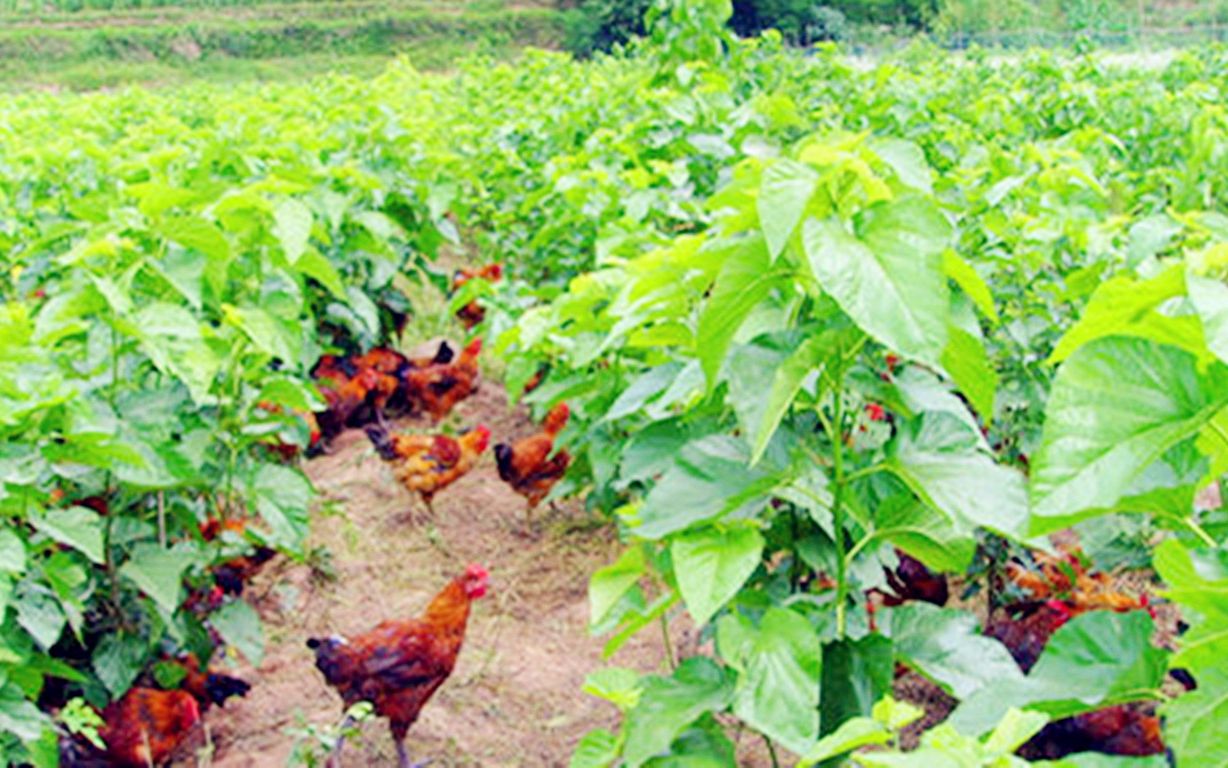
(288, 451)
(399, 665)
(436, 389)
(144, 727)
(351, 398)
(1026, 631)
(394, 365)
(912, 581)
(1056, 590)
(472, 313)
(232, 575)
(528, 466)
(1128, 730)
(426, 464)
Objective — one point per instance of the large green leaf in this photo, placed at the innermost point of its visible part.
(1194, 722)
(77, 527)
(1116, 407)
(914, 528)
(292, 227)
(780, 665)
(621, 687)
(944, 463)
(971, 282)
(887, 273)
(968, 364)
(597, 749)
(283, 497)
(171, 336)
(856, 675)
(711, 565)
(20, 717)
(649, 384)
(608, 585)
(1198, 582)
(1124, 306)
(118, 660)
(744, 281)
(784, 193)
(669, 704)
(267, 333)
(1210, 299)
(40, 614)
(703, 745)
(240, 627)
(1095, 660)
(946, 645)
(12, 552)
(708, 479)
(158, 572)
(195, 232)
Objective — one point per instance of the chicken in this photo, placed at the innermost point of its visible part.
(399, 665)
(911, 580)
(527, 465)
(288, 451)
(144, 727)
(232, 575)
(472, 313)
(205, 685)
(394, 365)
(1026, 634)
(1057, 590)
(350, 397)
(536, 380)
(426, 464)
(1128, 730)
(437, 388)
(1067, 577)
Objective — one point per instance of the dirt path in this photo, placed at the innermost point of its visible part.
(515, 698)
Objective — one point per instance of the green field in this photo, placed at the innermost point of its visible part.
(898, 387)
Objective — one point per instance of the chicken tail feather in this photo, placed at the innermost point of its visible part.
(379, 436)
(503, 459)
(445, 353)
(223, 687)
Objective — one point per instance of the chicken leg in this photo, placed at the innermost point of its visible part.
(403, 757)
(334, 758)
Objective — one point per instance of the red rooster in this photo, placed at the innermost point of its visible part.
(399, 665)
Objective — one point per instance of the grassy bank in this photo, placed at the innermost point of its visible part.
(274, 41)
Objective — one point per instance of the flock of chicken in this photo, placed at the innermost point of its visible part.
(398, 665)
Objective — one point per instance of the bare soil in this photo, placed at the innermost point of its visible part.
(515, 697)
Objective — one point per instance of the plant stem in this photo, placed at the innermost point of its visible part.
(669, 646)
(835, 434)
(1200, 532)
(865, 472)
(162, 518)
(772, 752)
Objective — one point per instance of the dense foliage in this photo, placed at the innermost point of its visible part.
(804, 314)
